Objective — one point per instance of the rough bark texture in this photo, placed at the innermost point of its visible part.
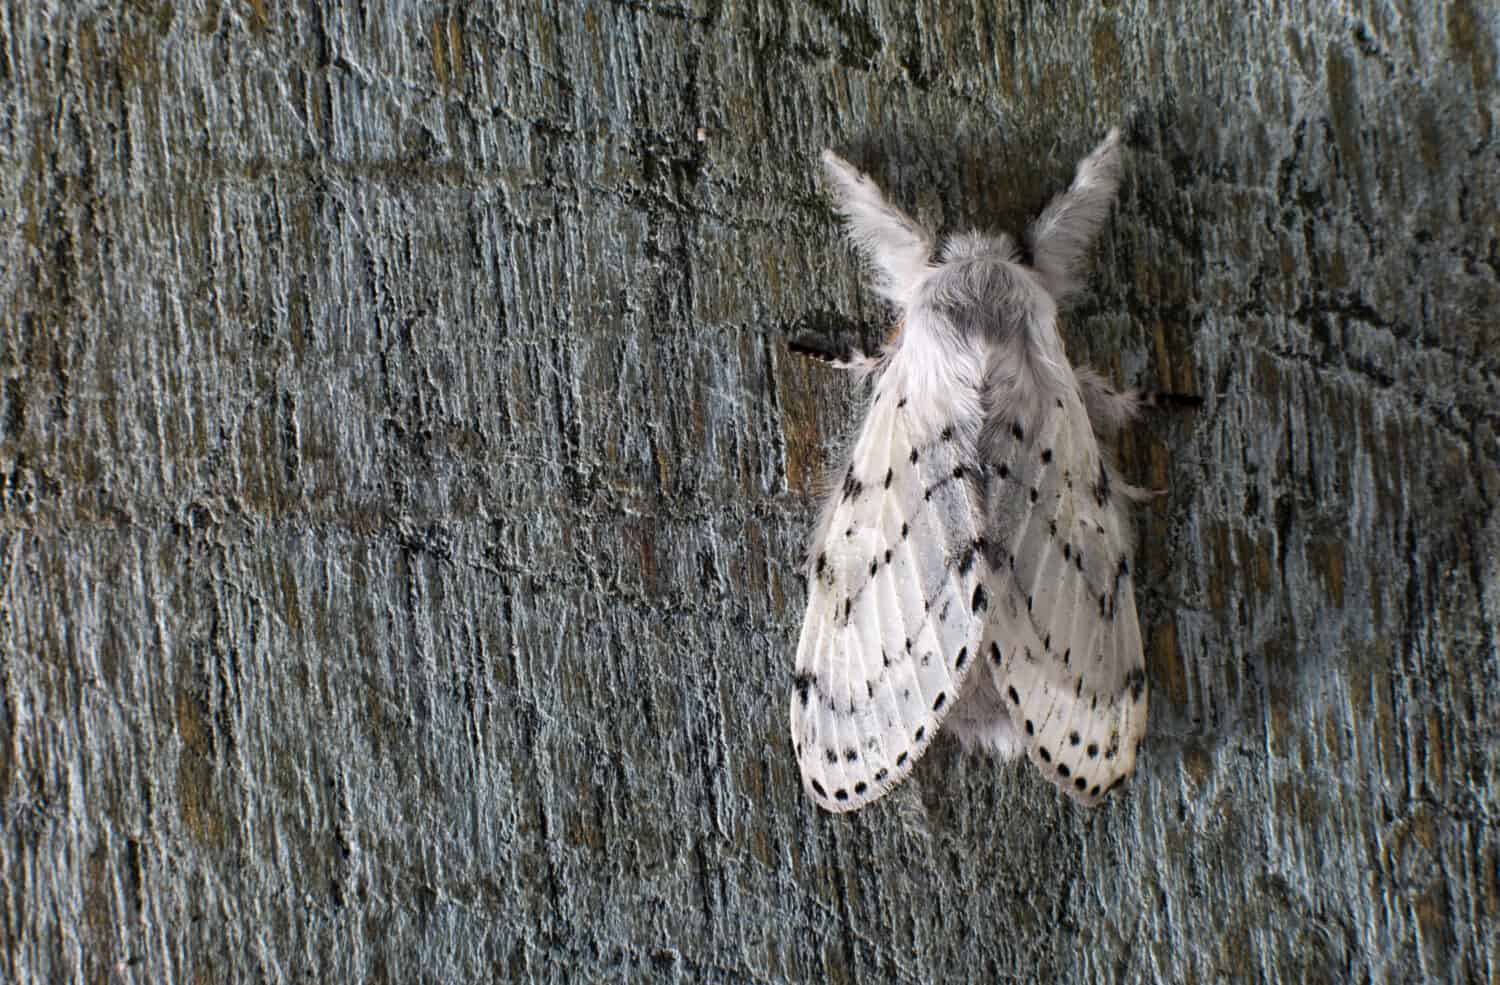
(403, 477)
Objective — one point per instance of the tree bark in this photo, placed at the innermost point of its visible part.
(403, 482)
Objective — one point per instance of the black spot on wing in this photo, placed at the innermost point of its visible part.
(852, 486)
(1101, 486)
(803, 685)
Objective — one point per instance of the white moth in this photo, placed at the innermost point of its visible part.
(972, 567)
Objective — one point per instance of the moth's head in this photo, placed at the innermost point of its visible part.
(980, 285)
(978, 246)
(974, 267)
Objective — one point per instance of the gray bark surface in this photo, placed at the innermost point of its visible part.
(403, 480)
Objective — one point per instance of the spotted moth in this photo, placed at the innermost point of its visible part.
(972, 565)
